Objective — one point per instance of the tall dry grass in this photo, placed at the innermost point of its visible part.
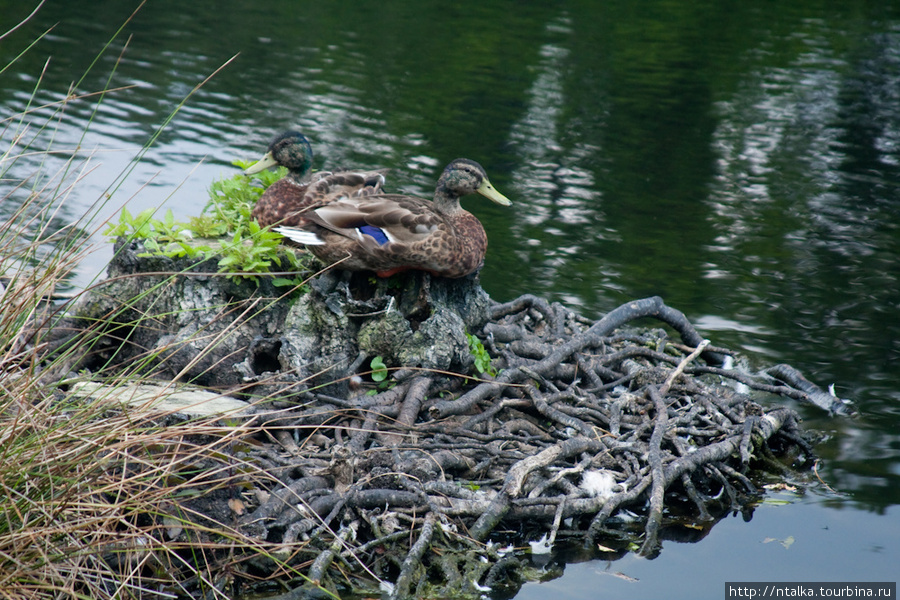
(95, 501)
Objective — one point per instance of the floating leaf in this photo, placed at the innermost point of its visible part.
(603, 548)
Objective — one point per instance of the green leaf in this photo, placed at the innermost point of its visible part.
(379, 370)
(480, 356)
(227, 261)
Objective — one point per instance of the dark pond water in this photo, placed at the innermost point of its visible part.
(742, 160)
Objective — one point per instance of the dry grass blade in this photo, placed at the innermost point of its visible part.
(97, 501)
(102, 507)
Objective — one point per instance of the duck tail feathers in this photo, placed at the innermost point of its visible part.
(300, 236)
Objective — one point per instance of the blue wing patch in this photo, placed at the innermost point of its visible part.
(376, 233)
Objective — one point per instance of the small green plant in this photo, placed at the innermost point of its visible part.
(207, 226)
(232, 199)
(161, 236)
(140, 227)
(251, 251)
(254, 251)
(379, 370)
(379, 373)
(482, 358)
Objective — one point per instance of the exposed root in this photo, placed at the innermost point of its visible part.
(574, 403)
(589, 432)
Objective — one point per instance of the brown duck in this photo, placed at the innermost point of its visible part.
(389, 233)
(284, 202)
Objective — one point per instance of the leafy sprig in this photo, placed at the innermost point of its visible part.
(161, 236)
(481, 356)
(251, 251)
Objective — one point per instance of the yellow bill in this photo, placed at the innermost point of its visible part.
(488, 191)
(264, 163)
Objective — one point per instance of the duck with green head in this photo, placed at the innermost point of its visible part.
(285, 201)
(389, 233)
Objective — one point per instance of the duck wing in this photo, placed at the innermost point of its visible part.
(327, 184)
(387, 218)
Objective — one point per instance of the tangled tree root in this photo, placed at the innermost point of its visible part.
(585, 424)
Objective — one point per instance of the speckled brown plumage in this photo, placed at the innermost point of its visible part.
(389, 233)
(285, 201)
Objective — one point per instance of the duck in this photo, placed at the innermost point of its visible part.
(284, 202)
(391, 233)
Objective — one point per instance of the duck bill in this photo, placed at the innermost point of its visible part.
(264, 163)
(488, 191)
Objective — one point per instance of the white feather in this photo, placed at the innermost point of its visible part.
(598, 483)
(301, 236)
(542, 546)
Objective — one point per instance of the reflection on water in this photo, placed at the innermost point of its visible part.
(805, 210)
(557, 201)
(743, 161)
